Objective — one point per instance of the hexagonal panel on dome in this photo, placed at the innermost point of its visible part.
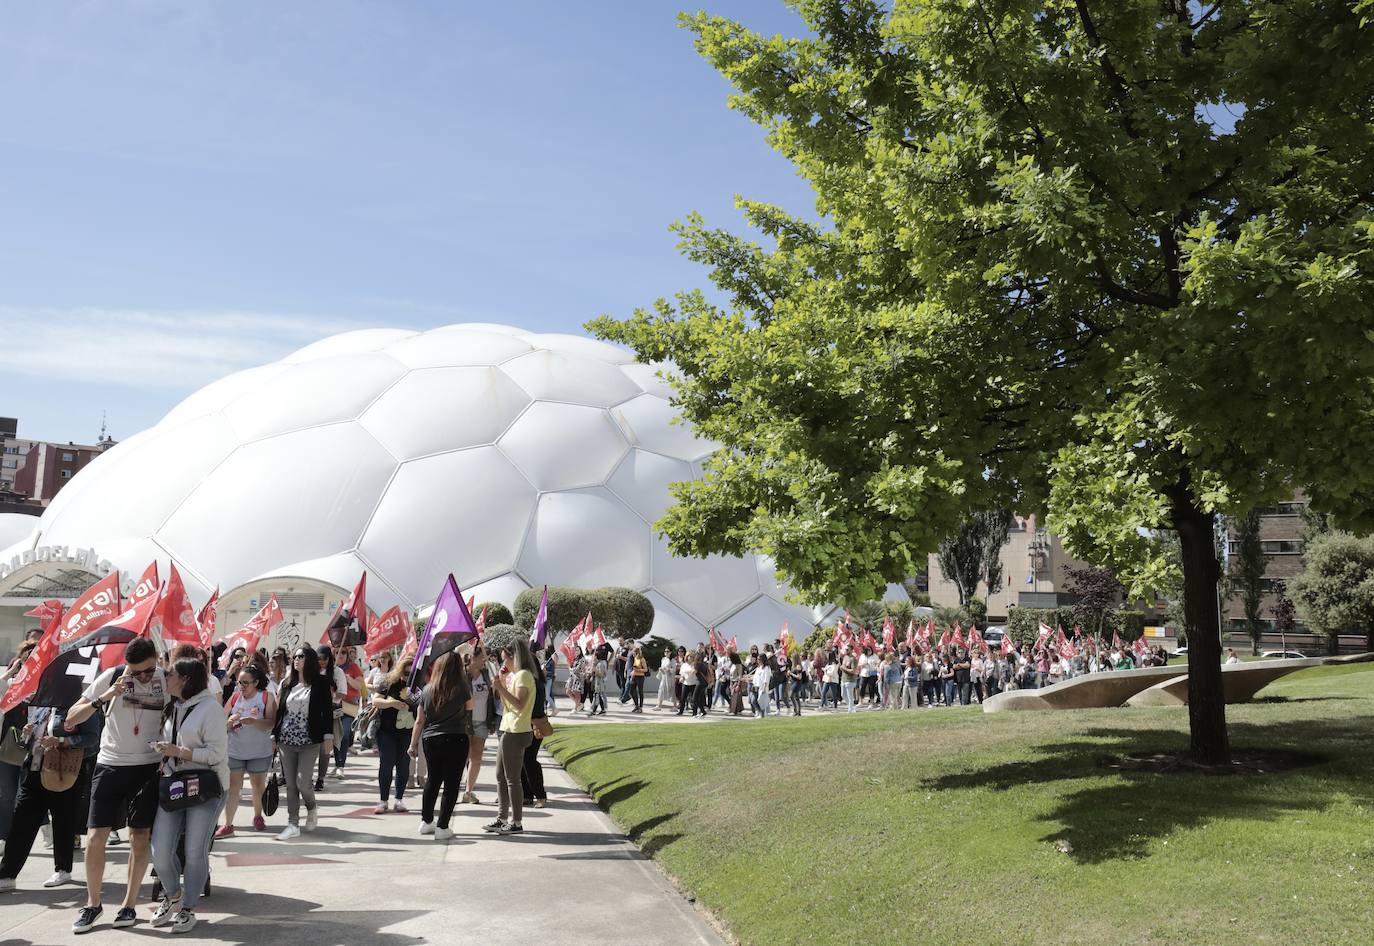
(348, 343)
(706, 588)
(502, 588)
(760, 621)
(672, 622)
(563, 446)
(580, 345)
(457, 346)
(577, 379)
(297, 497)
(216, 394)
(131, 490)
(326, 391)
(463, 512)
(650, 421)
(586, 539)
(439, 409)
(642, 480)
(647, 379)
(342, 572)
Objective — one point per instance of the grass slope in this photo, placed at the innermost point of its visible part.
(940, 827)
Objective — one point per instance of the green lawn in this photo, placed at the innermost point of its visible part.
(933, 827)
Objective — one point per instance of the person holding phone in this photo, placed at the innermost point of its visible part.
(515, 686)
(124, 782)
(194, 737)
(252, 714)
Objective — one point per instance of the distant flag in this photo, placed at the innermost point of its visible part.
(1067, 650)
(1116, 641)
(1140, 647)
(889, 634)
(911, 635)
(1007, 646)
(481, 621)
(784, 639)
(387, 631)
(25, 680)
(944, 639)
(46, 611)
(251, 634)
(205, 620)
(600, 639)
(174, 620)
(348, 626)
(540, 618)
(958, 639)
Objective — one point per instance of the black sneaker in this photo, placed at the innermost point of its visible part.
(494, 827)
(125, 917)
(86, 919)
(319, 784)
(512, 828)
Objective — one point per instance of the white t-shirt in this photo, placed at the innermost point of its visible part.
(132, 720)
(689, 675)
(481, 693)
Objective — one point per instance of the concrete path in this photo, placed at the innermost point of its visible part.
(364, 879)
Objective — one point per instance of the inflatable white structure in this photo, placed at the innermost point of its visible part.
(512, 459)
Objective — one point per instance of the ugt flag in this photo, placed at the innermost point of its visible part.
(389, 630)
(97, 606)
(205, 620)
(258, 627)
(25, 680)
(348, 627)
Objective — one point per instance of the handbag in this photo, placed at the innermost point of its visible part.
(186, 788)
(271, 795)
(60, 768)
(12, 751)
(542, 727)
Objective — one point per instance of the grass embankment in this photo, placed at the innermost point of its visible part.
(941, 826)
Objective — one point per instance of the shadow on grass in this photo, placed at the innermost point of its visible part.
(572, 757)
(1121, 814)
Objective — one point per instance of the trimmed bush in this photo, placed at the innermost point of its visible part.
(497, 636)
(620, 611)
(497, 613)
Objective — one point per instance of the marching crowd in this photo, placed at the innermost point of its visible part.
(779, 681)
(159, 746)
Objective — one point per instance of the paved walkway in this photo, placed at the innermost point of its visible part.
(364, 879)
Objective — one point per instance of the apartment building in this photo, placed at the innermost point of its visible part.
(1281, 535)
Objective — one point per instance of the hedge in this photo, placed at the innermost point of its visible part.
(620, 611)
(497, 613)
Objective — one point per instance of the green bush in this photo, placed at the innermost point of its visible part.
(497, 613)
(978, 610)
(497, 636)
(619, 611)
(818, 639)
(653, 651)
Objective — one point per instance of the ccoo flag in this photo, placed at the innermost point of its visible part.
(537, 635)
(450, 620)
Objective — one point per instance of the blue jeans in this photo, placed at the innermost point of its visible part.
(949, 692)
(198, 823)
(394, 748)
(342, 746)
(549, 703)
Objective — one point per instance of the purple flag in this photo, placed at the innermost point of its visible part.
(537, 636)
(451, 619)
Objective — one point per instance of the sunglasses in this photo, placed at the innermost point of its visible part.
(298, 656)
(143, 674)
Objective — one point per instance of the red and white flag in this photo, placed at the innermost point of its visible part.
(1116, 641)
(734, 642)
(46, 611)
(205, 620)
(94, 609)
(944, 639)
(869, 641)
(389, 630)
(975, 640)
(889, 634)
(1067, 650)
(1007, 645)
(600, 639)
(1140, 647)
(1046, 632)
(25, 680)
(148, 586)
(958, 639)
(248, 636)
(174, 619)
(784, 639)
(911, 635)
(717, 644)
(131, 623)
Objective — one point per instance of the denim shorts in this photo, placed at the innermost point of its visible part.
(251, 766)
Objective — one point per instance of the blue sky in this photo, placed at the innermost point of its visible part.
(188, 189)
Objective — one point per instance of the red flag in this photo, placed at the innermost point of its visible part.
(481, 621)
(600, 639)
(92, 610)
(131, 623)
(958, 638)
(46, 611)
(25, 680)
(387, 631)
(911, 635)
(1007, 646)
(148, 585)
(1077, 632)
(472, 602)
(734, 642)
(258, 627)
(205, 620)
(975, 640)
(1140, 647)
(348, 626)
(1116, 641)
(784, 639)
(717, 644)
(1045, 633)
(868, 641)
(174, 620)
(1067, 650)
(889, 634)
(944, 639)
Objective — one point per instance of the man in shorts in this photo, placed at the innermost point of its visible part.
(124, 784)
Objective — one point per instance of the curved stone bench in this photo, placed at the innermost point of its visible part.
(1090, 691)
(1240, 682)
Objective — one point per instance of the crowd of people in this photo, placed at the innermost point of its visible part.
(770, 681)
(160, 746)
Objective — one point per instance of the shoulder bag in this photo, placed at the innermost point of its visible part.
(12, 750)
(186, 788)
(60, 768)
(271, 795)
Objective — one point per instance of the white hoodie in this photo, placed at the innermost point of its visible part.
(202, 727)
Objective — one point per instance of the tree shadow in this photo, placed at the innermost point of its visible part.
(1121, 814)
(615, 791)
(582, 753)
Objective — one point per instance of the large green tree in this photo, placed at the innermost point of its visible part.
(972, 553)
(1334, 591)
(1044, 276)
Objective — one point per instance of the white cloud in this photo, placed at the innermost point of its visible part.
(148, 349)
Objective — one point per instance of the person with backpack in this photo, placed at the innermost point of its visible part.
(252, 715)
(195, 739)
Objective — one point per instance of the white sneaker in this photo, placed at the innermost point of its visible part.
(426, 827)
(166, 911)
(6, 883)
(47, 836)
(58, 878)
(312, 819)
(288, 833)
(443, 834)
(337, 773)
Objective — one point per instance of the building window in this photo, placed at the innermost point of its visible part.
(67, 458)
(1272, 547)
(1281, 509)
(12, 451)
(65, 474)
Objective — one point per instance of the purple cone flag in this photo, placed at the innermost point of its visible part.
(537, 635)
(450, 620)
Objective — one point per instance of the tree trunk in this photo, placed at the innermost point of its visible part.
(1201, 571)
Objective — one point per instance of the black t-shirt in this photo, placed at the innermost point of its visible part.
(451, 719)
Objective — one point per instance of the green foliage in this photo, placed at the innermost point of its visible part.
(497, 613)
(620, 611)
(973, 552)
(1098, 593)
(653, 651)
(978, 610)
(946, 617)
(919, 599)
(497, 636)
(1334, 592)
(818, 639)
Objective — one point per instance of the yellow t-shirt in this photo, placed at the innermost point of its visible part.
(517, 718)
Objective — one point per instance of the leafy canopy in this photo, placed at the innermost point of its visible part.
(1045, 278)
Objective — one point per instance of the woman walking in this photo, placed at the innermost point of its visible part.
(396, 721)
(483, 716)
(194, 737)
(515, 688)
(252, 714)
(638, 670)
(532, 788)
(667, 676)
(304, 727)
(442, 724)
(687, 673)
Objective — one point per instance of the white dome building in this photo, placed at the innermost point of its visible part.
(512, 459)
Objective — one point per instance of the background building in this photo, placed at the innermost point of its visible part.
(12, 452)
(1282, 527)
(1033, 564)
